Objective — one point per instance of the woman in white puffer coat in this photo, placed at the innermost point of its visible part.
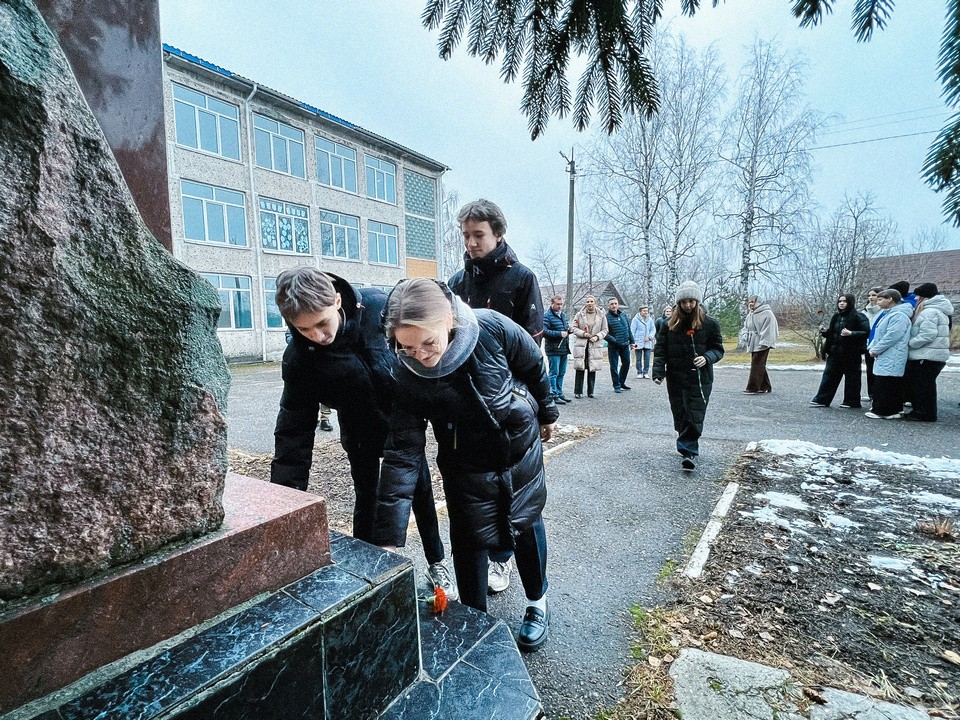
(929, 350)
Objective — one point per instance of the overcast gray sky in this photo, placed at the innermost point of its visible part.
(371, 62)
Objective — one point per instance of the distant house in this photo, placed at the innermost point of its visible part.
(941, 268)
(602, 290)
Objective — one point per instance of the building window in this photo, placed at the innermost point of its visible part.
(213, 214)
(339, 235)
(284, 226)
(383, 243)
(234, 290)
(336, 165)
(279, 147)
(274, 318)
(381, 180)
(205, 123)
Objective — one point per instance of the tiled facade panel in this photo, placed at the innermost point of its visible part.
(420, 194)
(421, 238)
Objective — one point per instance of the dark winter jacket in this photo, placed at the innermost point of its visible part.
(620, 334)
(353, 375)
(674, 352)
(846, 347)
(499, 281)
(486, 415)
(554, 325)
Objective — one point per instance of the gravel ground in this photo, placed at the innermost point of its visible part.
(620, 507)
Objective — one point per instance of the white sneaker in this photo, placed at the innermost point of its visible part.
(874, 416)
(498, 576)
(441, 578)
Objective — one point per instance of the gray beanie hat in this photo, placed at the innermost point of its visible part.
(688, 290)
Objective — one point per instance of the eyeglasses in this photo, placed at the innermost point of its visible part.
(412, 352)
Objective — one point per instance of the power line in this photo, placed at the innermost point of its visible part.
(890, 115)
(862, 142)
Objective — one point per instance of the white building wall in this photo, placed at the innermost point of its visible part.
(254, 261)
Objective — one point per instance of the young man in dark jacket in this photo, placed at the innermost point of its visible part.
(338, 356)
(493, 278)
(619, 342)
(556, 332)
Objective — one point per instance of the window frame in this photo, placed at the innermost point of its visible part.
(271, 302)
(371, 232)
(196, 126)
(232, 292)
(371, 163)
(273, 137)
(343, 159)
(283, 213)
(205, 216)
(340, 216)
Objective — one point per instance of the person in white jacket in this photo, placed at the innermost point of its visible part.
(644, 331)
(760, 332)
(888, 346)
(929, 350)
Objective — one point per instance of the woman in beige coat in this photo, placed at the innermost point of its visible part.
(589, 330)
(760, 331)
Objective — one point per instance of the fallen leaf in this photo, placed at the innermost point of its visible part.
(913, 692)
(766, 637)
(668, 658)
(654, 661)
(933, 671)
(778, 610)
(814, 694)
(918, 593)
(948, 586)
(951, 656)
(736, 634)
(874, 586)
(832, 598)
(710, 636)
(706, 600)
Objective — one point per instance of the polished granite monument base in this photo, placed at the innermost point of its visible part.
(350, 640)
(271, 536)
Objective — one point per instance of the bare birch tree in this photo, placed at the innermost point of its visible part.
(766, 148)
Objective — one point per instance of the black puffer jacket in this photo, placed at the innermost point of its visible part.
(499, 281)
(353, 375)
(846, 347)
(486, 416)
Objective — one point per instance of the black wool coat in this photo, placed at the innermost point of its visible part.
(846, 347)
(486, 417)
(353, 375)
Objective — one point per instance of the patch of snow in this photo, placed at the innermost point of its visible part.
(778, 499)
(799, 448)
(929, 498)
(840, 522)
(889, 563)
(774, 474)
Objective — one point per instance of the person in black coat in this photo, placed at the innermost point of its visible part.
(619, 342)
(492, 276)
(845, 342)
(479, 379)
(686, 350)
(338, 356)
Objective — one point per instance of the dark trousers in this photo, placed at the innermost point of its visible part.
(557, 365)
(578, 382)
(835, 370)
(759, 380)
(688, 403)
(920, 387)
(887, 395)
(470, 565)
(870, 360)
(365, 471)
(619, 356)
(643, 360)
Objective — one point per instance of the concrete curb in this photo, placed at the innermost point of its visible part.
(694, 566)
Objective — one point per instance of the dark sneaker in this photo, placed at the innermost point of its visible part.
(534, 629)
(844, 405)
(326, 425)
(617, 390)
(688, 464)
(625, 387)
(816, 404)
(559, 400)
(565, 398)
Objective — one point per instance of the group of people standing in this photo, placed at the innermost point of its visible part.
(905, 337)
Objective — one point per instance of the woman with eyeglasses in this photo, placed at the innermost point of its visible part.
(479, 379)
(337, 356)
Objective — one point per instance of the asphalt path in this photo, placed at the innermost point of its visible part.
(620, 507)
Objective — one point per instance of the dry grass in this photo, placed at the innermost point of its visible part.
(942, 528)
